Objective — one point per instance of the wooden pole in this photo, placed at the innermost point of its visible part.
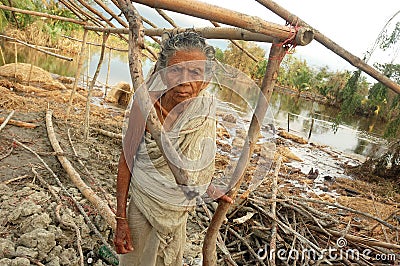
(39, 14)
(5, 121)
(311, 128)
(166, 17)
(72, 5)
(72, 9)
(101, 16)
(96, 74)
(78, 72)
(331, 45)
(13, 14)
(16, 60)
(288, 121)
(35, 48)
(276, 55)
(112, 14)
(30, 74)
(108, 72)
(2, 55)
(214, 33)
(88, 66)
(215, 13)
(95, 44)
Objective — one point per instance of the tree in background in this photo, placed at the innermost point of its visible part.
(237, 58)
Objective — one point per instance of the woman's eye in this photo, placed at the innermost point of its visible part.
(195, 72)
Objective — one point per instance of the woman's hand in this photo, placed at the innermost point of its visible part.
(122, 239)
(217, 194)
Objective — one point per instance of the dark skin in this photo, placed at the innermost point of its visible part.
(178, 78)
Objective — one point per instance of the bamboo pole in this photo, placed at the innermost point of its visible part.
(215, 13)
(331, 45)
(78, 72)
(276, 55)
(35, 48)
(40, 14)
(96, 74)
(212, 33)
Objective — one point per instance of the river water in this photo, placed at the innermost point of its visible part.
(355, 135)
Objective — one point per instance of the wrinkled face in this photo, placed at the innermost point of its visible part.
(184, 75)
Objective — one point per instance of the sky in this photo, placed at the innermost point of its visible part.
(353, 24)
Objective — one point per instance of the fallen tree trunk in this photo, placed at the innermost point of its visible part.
(331, 45)
(98, 203)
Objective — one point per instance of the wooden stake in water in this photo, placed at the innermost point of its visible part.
(78, 72)
(88, 67)
(30, 74)
(96, 74)
(16, 60)
(108, 72)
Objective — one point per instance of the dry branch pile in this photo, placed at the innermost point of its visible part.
(308, 232)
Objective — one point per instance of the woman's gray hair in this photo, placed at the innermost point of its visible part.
(186, 41)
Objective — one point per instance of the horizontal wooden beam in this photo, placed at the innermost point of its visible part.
(40, 14)
(215, 13)
(207, 32)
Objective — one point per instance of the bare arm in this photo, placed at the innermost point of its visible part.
(122, 241)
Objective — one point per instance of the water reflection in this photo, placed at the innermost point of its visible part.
(355, 134)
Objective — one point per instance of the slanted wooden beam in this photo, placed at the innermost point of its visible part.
(40, 14)
(276, 55)
(215, 13)
(109, 11)
(331, 45)
(88, 16)
(101, 16)
(167, 18)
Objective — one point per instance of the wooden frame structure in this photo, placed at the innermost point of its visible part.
(240, 27)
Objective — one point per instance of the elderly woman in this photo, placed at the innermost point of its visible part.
(152, 230)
